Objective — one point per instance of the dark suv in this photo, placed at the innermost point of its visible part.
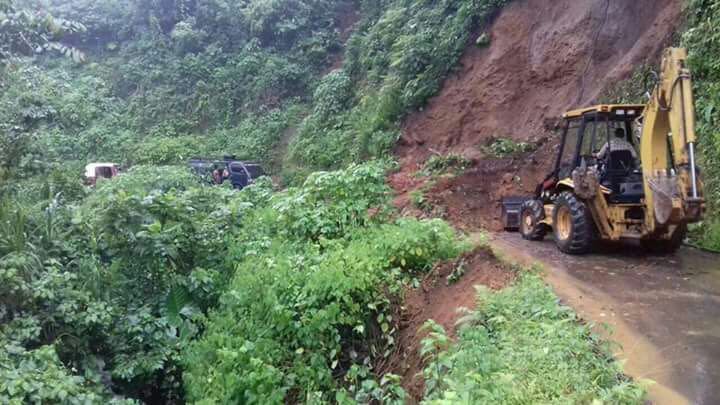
(244, 173)
(238, 172)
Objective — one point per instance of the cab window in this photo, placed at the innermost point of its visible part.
(589, 139)
(569, 149)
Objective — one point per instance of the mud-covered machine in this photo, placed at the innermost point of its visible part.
(623, 171)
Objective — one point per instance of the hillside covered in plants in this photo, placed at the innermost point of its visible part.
(156, 287)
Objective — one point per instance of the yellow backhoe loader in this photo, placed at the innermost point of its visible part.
(623, 172)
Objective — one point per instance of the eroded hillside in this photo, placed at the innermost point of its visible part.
(543, 58)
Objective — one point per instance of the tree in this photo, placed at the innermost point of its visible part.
(23, 32)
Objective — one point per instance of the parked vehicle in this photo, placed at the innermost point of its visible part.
(239, 173)
(94, 171)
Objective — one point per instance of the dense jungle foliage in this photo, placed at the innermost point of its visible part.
(154, 287)
(702, 39)
(109, 296)
(163, 81)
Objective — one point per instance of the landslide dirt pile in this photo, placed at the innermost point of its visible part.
(545, 57)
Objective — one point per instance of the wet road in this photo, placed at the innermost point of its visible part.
(664, 311)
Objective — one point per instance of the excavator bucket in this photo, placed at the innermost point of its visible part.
(511, 212)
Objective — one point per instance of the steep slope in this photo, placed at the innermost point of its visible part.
(544, 58)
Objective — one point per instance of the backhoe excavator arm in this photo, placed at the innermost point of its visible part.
(673, 189)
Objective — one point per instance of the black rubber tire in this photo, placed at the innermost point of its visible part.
(582, 228)
(535, 212)
(666, 246)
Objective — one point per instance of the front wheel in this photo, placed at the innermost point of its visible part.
(572, 224)
(532, 213)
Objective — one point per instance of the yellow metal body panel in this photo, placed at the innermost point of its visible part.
(569, 183)
(668, 133)
(638, 108)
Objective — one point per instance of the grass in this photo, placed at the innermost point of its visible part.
(520, 346)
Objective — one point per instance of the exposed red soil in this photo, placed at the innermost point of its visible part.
(543, 59)
(437, 300)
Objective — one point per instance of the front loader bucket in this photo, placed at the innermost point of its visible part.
(511, 212)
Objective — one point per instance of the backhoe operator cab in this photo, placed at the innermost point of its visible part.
(602, 138)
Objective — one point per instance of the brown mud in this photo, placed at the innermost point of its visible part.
(544, 58)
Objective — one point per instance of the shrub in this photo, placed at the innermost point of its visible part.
(296, 315)
(701, 39)
(38, 376)
(312, 291)
(116, 287)
(332, 96)
(141, 180)
(167, 151)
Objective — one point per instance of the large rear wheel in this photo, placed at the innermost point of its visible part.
(531, 213)
(572, 224)
(666, 246)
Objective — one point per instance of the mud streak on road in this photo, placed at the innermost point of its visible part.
(663, 311)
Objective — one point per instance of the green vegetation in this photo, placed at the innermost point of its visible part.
(703, 42)
(153, 287)
(103, 294)
(311, 292)
(157, 288)
(163, 82)
(400, 55)
(298, 314)
(505, 147)
(520, 346)
(286, 291)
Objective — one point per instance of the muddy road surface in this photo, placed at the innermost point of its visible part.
(664, 311)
